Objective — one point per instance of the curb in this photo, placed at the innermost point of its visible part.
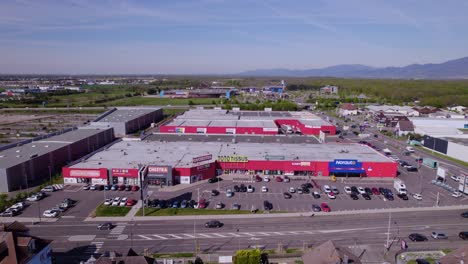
(277, 215)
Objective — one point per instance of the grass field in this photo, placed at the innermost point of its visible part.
(190, 211)
(140, 100)
(103, 210)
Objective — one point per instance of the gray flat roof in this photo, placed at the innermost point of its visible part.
(17, 155)
(126, 114)
(179, 154)
(244, 118)
(458, 140)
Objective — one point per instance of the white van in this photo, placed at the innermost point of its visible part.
(410, 149)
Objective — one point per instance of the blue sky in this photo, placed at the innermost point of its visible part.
(221, 36)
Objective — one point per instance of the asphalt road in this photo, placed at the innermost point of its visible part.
(362, 233)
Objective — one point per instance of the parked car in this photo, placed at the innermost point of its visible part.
(93, 187)
(229, 193)
(331, 195)
(264, 189)
(236, 206)
(105, 226)
(128, 188)
(366, 196)
(316, 208)
(361, 190)
(354, 189)
(267, 206)
(278, 179)
(354, 196)
(335, 190)
(456, 194)
(108, 202)
(202, 204)
(417, 237)
(236, 188)
(213, 224)
(18, 206)
(389, 197)
(123, 201)
(266, 179)
(307, 185)
(219, 205)
(33, 198)
(368, 190)
(121, 187)
(439, 235)
(292, 189)
(286, 179)
(347, 189)
(163, 204)
(86, 187)
(375, 191)
(214, 192)
(243, 188)
(326, 189)
(464, 214)
(325, 207)
(250, 189)
(48, 189)
(412, 169)
(316, 195)
(116, 201)
(287, 195)
(175, 204)
(114, 187)
(183, 204)
(417, 196)
(402, 196)
(135, 188)
(455, 178)
(258, 178)
(130, 202)
(50, 213)
(107, 187)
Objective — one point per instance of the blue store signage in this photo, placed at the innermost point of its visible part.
(341, 165)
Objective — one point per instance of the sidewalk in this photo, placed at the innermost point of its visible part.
(275, 215)
(30, 220)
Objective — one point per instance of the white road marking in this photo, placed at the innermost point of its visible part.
(263, 234)
(174, 236)
(145, 237)
(161, 237)
(203, 235)
(234, 234)
(188, 235)
(248, 234)
(219, 235)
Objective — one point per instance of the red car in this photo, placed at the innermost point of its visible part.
(279, 179)
(325, 207)
(121, 187)
(258, 178)
(375, 191)
(135, 188)
(202, 204)
(130, 202)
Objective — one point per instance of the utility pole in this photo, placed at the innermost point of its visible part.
(50, 174)
(39, 210)
(198, 194)
(437, 201)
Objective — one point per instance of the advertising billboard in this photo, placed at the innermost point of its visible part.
(202, 158)
(180, 130)
(157, 169)
(85, 173)
(116, 172)
(342, 165)
(233, 159)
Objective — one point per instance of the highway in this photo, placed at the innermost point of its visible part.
(360, 232)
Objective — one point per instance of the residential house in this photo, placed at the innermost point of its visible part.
(402, 110)
(18, 247)
(424, 111)
(458, 108)
(329, 89)
(389, 119)
(404, 127)
(456, 257)
(347, 109)
(329, 253)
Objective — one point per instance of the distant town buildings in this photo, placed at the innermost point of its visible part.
(347, 109)
(329, 89)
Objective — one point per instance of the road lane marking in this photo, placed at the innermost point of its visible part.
(216, 234)
(248, 234)
(145, 237)
(263, 234)
(188, 235)
(234, 234)
(203, 235)
(161, 237)
(174, 236)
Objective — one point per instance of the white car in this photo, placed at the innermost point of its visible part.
(50, 213)
(393, 157)
(417, 196)
(229, 193)
(33, 198)
(116, 201)
(292, 189)
(457, 194)
(108, 202)
(331, 195)
(347, 189)
(264, 189)
(285, 179)
(18, 206)
(361, 190)
(250, 189)
(326, 189)
(455, 178)
(123, 202)
(266, 179)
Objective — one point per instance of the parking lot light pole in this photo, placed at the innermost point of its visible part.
(39, 210)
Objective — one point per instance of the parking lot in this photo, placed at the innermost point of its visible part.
(87, 201)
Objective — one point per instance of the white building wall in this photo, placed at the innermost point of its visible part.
(457, 151)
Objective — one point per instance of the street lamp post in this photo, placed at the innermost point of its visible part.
(50, 174)
(39, 210)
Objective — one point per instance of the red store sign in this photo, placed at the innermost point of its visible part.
(159, 170)
(125, 172)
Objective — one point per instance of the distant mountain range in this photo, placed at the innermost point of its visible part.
(453, 69)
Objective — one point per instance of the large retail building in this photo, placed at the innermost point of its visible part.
(185, 162)
(247, 122)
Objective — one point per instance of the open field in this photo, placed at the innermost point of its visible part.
(133, 101)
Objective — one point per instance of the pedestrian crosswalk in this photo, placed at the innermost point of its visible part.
(94, 247)
(58, 186)
(117, 230)
(222, 235)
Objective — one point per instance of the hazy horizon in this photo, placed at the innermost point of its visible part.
(220, 37)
